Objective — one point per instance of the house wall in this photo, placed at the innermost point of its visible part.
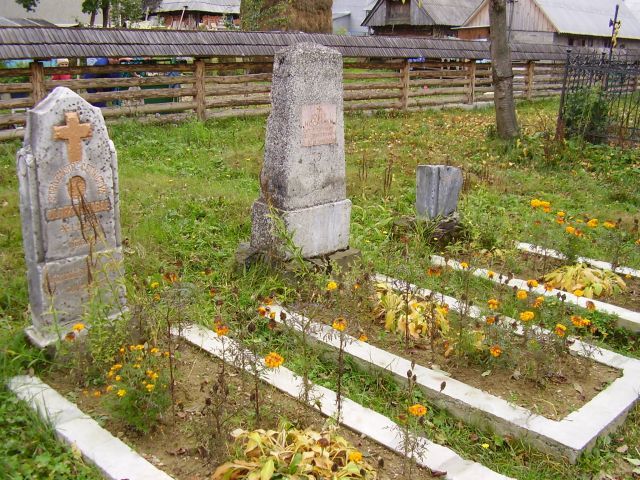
(526, 17)
(358, 10)
(193, 20)
(404, 30)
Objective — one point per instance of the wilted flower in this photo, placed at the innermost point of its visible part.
(538, 302)
(591, 306)
(495, 351)
(560, 330)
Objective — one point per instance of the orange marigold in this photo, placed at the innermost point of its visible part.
(560, 330)
(527, 316)
(493, 303)
(521, 295)
(339, 324)
(273, 360)
(417, 410)
(495, 351)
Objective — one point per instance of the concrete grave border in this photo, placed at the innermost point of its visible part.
(625, 318)
(549, 252)
(363, 420)
(568, 437)
(111, 456)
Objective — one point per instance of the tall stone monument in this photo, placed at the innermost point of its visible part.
(68, 180)
(303, 179)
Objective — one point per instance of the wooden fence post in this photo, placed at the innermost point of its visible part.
(36, 72)
(471, 92)
(404, 83)
(200, 97)
(531, 66)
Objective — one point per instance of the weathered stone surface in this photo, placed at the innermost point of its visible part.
(315, 230)
(438, 189)
(303, 177)
(68, 185)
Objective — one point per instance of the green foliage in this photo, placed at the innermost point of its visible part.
(585, 114)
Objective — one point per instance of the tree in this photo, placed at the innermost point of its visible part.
(122, 9)
(300, 15)
(502, 71)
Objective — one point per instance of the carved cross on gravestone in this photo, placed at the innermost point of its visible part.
(73, 132)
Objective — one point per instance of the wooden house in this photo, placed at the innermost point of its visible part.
(424, 18)
(199, 14)
(583, 23)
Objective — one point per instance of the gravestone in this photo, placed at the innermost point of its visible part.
(68, 181)
(438, 189)
(303, 179)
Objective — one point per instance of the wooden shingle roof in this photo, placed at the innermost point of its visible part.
(45, 43)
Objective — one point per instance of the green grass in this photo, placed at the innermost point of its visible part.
(186, 193)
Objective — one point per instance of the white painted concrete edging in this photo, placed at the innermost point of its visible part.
(626, 318)
(114, 459)
(354, 416)
(548, 252)
(568, 437)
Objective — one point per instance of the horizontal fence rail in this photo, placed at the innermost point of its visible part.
(223, 87)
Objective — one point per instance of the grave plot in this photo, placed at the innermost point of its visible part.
(604, 387)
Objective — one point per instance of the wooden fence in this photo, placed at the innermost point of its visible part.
(225, 87)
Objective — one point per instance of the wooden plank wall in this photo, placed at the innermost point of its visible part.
(225, 87)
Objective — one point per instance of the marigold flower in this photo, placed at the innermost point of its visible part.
(638, 241)
(149, 387)
(491, 274)
(78, 327)
(532, 283)
(273, 360)
(591, 306)
(434, 271)
(593, 223)
(110, 374)
(560, 330)
(559, 220)
(609, 224)
(154, 285)
(156, 297)
(70, 337)
(490, 320)
(166, 354)
(122, 392)
(521, 295)
(221, 330)
(363, 337)
(527, 316)
(570, 230)
(118, 378)
(417, 410)
(578, 293)
(331, 286)
(154, 350)
(97, 394)
(535, 203)
(495, 351)
(355, 456)
(545, 204)
(122, 350)
(561, 214)
(339, 324)
(548, 287)
(493, 304)
(538, 302)
(117, 366)
(546, 209)
(262, 311)
(109, 388)
(464, 265)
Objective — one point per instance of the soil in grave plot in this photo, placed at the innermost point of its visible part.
(573, 383)
(533, 266)
(179, 445)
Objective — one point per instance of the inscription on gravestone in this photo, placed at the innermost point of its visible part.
(67, 170)
(319, 125)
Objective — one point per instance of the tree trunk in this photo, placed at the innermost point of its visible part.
(92, 21)
(501, 69)
(106, 10)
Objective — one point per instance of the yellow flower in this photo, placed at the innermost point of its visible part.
(579, 322)
(560, 330)
(538, 302)
(532, 283)
(559, 220)
(97, 393)
(548, 287)
(221, 330)
(78, 327)
(495, 351)
(355, 456)
(570, 230)
(273, 360)
(118, 378)
(155, 285)
(578, 292)
(593, 223)
(522, 295)
(464, 265)
(339, 324)
(561, 214)
(491, 274)
(417, 410)
(535, 203)
(493, 303)
(527, 316)
(155, 350)
(609, 224)
(262, 311)
(638, 241)
(546, 209)
(136, 365)
(109, 388)
(156, 297)
(122, 392)
(490, 320)
(149, 387)
(139, 347)
(117, 366)
(331, 286)
(363, 337)
(485, 446)
(110, 374)
(122, 350)
(545, 204)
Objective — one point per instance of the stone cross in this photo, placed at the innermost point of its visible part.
(303, 178)
(438, 189)
(68, 182)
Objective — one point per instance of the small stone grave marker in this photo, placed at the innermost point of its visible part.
(438, 189)
(303, 178)
(68, 182)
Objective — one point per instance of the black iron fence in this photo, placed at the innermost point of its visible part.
(600, 99)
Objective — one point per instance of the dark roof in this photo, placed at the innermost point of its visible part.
(437, 12)
(43, 43)
(25, 22)
(210, 6)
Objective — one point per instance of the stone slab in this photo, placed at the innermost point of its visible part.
(316, 231)
(354, 416)
(114, 459)
(437, 190)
